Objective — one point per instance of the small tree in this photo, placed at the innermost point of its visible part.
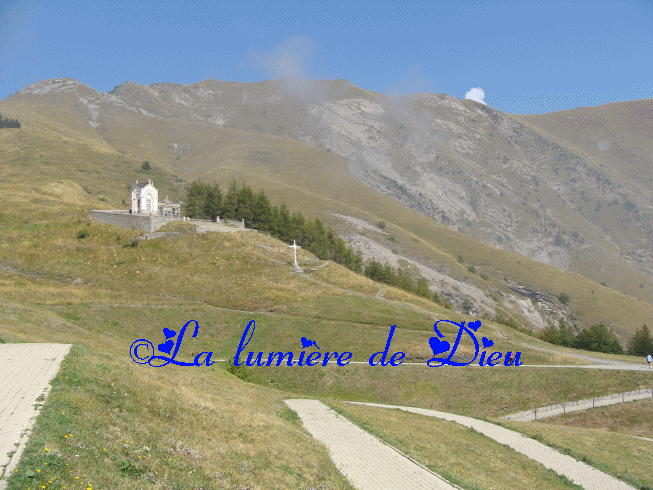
(567, 334)
(423, 288)
(558, 335)
(640, 344)
(551, 334)
(598, 338)
(146, 166)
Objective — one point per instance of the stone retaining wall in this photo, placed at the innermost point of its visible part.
(143, 222)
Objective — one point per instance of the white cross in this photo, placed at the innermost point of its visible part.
(294, 246)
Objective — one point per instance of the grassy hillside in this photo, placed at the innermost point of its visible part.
(65, 278)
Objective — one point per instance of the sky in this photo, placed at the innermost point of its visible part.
(524, 57)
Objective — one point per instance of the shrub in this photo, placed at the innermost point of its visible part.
(558, 335)
(630, 206)
(146, 166)
(436, 299)
(503, 318)
(381, 224)
(423, 288)
(81, 234)
(472, 269)
(564, 298)
(460, 259)
(8, 123)
(484, 276)
(241, 372)
(495, 296)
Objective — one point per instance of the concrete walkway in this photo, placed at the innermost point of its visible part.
(579, 473)
(367, 462)
(25, 373)
(569, 407)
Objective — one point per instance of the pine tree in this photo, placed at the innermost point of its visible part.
(598, 338)
(641, 344)
(231, 201)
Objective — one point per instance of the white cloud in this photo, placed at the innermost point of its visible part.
(290, 59)
(408, 82)
(477, 94)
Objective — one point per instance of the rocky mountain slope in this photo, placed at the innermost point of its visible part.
(569, 198)
(570, 189)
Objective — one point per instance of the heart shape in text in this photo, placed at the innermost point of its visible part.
(438, 346)
(487, 342)
(166, 346)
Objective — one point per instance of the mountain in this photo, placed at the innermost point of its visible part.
(569, 189)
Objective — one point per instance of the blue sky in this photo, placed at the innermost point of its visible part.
(519, 57)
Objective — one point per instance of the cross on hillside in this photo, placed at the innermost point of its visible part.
(294, 246)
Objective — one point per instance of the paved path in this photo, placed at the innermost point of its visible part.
(25, 373)
(593, 359)
(367, 462)
(204, 226)
(619, 367)
(569, 407)
(584, 475)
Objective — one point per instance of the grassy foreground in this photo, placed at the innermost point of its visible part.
(472, 460)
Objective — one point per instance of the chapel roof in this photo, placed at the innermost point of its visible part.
(144, 184)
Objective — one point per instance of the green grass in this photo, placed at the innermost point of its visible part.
(633, 418)
(114, 424)
(312, 180)
(622, 456)
(101, 294)
(473, 391)
(459, 454)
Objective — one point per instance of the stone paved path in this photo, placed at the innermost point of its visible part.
(584, 475)
(25, 373)
(367, 462)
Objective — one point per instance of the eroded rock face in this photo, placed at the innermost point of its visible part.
(493, 176)
(576, 198)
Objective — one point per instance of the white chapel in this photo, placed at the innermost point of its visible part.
(145, 198)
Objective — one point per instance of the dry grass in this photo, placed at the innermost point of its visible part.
(473, 391)
(634, 418)
(345, 279)
(117, 425)
(623, 456)
(461, 455)
(101, 294)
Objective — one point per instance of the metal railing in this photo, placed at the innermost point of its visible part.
(568, 407)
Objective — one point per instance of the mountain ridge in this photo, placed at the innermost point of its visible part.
(473, 168)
